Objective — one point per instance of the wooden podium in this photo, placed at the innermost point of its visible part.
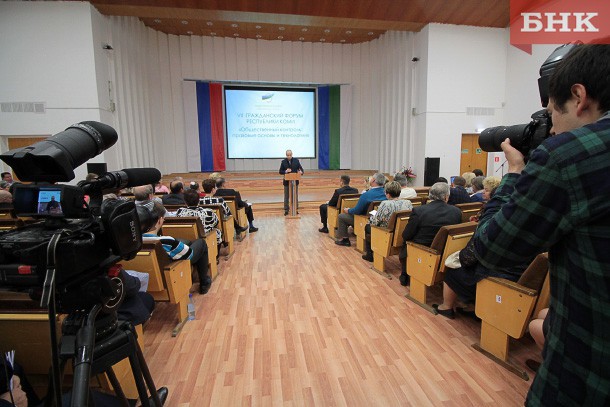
(292, 178)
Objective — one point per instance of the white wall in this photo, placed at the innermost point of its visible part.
(48, 56)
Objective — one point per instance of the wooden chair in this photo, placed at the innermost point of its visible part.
(191, 228)
(388, 241)
(168, 280)
(173, 208)
(426, 265)
(422, 192)
(226, 226)
(469, 209)
(506, 308)
(418, 201)
(345, 201)
(360, 221)
(239, 214)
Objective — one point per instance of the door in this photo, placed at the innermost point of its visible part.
(472, 156)
(19, 142)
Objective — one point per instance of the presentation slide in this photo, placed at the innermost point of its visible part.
(265, 122)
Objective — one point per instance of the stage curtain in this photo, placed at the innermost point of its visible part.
(205, 126)
(335, 127)
(218, 145)
(323, 128)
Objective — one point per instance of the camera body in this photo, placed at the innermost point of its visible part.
(527, 137)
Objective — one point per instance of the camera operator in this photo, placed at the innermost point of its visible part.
(559, 202)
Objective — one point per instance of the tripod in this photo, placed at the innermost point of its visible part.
(119, 341)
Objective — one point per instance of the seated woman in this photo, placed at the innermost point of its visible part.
(384, 213)
(196, 252)
(461, 283)
(206, 215)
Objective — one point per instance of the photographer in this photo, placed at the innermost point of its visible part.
(559, 202)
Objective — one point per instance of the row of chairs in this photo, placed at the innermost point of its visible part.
(504, 307)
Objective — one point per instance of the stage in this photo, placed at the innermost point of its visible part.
(264, 189)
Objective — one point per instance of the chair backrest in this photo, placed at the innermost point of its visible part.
(173, 208)
(151, 259)
(6, 213)
(187, 227)
(398, 223)
(469, 209)
(347, 201)
(534, 275)
(452, 238)
(372, 206)
(417, 201)
(230, 200)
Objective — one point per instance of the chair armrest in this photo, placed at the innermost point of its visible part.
(514, 286)
(422, 247)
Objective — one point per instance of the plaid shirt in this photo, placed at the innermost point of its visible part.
(561, 203)
(218, 201)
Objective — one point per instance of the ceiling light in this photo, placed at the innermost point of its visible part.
(184, 22)
(327, 31)
(304, 29)
(281, 28)
(348, 32)
(234, 25)
(258, 27)
(157, 20)
(210, 23)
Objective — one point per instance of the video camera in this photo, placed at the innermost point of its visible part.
(90, 237)
(526, 137)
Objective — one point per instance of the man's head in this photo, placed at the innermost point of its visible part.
(209, 185)
(142, 192)
(345, 180)
(459, 181)
(194, 186)
(176, 187)
(378, 180)
(477, 172)
(579, 89)
(220, 183)
(401, 179)
(191, 197)
(288, 154)
(4, 185)
(477, 183)
(7, 176)
(392, 189)
(439, 192)
(442, 179)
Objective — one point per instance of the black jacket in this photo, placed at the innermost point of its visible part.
(343, 190)
(224, 192)
(459, 195)
(173, 199)
(426, 220)
(294, 165)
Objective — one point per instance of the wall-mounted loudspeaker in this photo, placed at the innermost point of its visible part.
(431, 170)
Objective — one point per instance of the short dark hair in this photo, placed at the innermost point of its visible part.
(176, 187)
(441, 179)
(345, 179)
(191, 197)
(208, 185)
(194, 186)
(3, 174)
(477, 172)
(220, 182)
(461, 181)
(587, 65)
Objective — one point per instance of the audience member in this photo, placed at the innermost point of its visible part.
(196, 252)
(137, 306)
(477, 189)
(477, 172)
(21, 393)
(489, 186)
(195, 186)
(376, 193)
(558, 202)
(441, 179)
(224, 192)
(539, 328)
(209, 187)
(343, 189)
(367, 184)
(6, 198)
(176, 197)
(287, 166)
(144, 193)
(458, 192)
(206, 215)
(161, 189)
(8, 177)
(468, 176)
(384, 213)
(406, 192)
(425, 222)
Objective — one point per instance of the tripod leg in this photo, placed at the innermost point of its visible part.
(147, 376)
(118, 390)
(137, 375)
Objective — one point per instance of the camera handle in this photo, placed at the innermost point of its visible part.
(48, 301)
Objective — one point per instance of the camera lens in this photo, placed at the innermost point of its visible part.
(491, 138)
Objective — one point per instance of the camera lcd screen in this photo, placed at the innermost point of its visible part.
(49, 202)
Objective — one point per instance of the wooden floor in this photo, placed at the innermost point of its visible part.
(295, 320)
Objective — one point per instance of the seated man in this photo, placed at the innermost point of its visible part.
(196, 252)
(425, 222)
(206, 215)
(209, 187)
(343, 189)
(144, 193)
(222, 191)
(406, 191)
(384, 213)
(376, 193)
(176, 197)
(458, 192)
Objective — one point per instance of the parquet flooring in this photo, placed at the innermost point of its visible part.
(294, 320)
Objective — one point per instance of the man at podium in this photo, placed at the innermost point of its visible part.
(289, 165)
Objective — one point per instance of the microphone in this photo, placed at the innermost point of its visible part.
(129, 177)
